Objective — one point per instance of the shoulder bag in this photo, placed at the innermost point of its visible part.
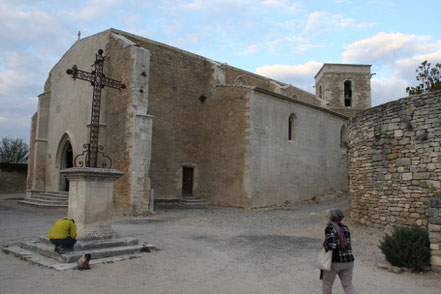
(324, 260)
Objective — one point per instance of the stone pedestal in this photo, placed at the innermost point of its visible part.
(90, 201)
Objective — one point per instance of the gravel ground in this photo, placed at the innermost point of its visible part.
(216, 250)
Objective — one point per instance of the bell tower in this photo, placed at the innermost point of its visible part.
(345, 88)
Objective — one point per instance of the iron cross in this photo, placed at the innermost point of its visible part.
(98, 81)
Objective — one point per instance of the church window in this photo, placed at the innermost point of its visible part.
(291, 127)
(348, 93)
(320, 92)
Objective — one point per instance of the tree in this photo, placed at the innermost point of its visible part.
(13, 150)
(430, 79)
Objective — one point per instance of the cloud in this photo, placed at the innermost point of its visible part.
(301, 76)
(394, 57)
(286, 5)
(320, 22)
(387, 47)
(387, 89)
(316, 24)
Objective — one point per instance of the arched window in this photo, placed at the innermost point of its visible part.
(320, 92)
(240, 81)
(344, 137)
(291, 127)
(348, 93)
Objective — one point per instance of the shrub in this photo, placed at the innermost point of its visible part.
(407, 247)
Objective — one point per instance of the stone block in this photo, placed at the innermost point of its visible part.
(404, 141)
(434, 228)
(432, 212)
(398, 133)
(434, 246)
(434, 184)
(406, 176)
(435, 202)
(435, 238)
(436, 260)
(403, 161)
(421, 176)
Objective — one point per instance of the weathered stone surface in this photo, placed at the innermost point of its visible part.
(395, 189)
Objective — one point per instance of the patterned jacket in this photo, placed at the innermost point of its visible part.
(332, 242)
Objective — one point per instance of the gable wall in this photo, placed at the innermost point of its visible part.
(69, 103)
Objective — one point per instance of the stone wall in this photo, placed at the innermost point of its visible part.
(435, 231)
(395, 161)
(12, 178)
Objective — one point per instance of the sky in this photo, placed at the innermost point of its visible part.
(285, 40)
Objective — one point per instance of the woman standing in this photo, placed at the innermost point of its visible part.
(338, 239)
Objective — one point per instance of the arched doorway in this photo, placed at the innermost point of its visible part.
(66, 162)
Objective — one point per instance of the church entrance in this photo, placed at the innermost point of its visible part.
(66, 162)
(187, 180)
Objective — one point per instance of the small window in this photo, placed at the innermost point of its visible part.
(320, 92)
(348, 93)
(291, 127)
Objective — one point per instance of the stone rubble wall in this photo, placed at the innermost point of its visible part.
(394, 161)
(435, 231)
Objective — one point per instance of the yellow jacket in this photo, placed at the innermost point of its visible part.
(62, 228)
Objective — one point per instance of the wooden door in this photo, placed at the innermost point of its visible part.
(187, 180)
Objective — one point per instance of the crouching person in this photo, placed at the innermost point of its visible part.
(63, 234)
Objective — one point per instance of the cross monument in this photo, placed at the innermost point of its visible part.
(98, 81)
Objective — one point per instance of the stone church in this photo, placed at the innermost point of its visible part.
(188, 125)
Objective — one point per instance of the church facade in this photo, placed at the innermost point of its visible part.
(188, 125)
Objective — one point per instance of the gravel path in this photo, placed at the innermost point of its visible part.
(216, 250)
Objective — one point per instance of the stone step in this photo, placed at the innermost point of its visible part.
(50, 197)
(36, 204)
(73, 255)
(39, 259)
(57, 194)
(99, 244)
(190, 201)
(48, 201)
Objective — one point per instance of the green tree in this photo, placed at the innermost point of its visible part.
(430, 78)
(13, 150)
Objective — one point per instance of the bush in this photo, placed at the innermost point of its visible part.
(407, 247)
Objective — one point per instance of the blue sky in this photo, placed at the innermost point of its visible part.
(285, 40)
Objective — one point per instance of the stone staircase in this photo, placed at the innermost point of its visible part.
(58, 199)
(42, 251)
(190, 201)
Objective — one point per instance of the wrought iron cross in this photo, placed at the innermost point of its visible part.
(98, 81)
